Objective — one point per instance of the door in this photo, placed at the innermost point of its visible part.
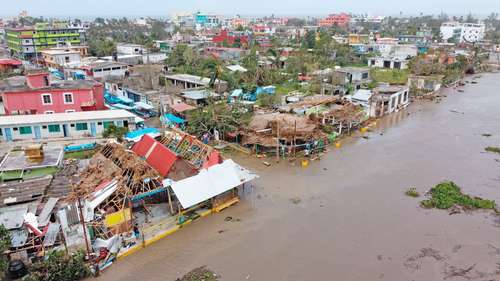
(93, 130)
(65, 130)
(8, 134)
(38, 133)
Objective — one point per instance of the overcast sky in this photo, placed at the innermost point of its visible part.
(245, 7)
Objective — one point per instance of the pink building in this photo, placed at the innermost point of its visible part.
(336, 20)
(35, 94)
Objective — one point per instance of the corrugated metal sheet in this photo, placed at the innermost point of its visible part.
(43, 218)
(51, 235)
(13, 217)
(210, 183)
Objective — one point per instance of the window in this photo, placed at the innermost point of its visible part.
(99, 123)
(46, 98)
(54, 128)
(49, 112)
(68, 98)
(25, 130)
(69, 110)
(44, 127)
(81, 126)
(107, 124)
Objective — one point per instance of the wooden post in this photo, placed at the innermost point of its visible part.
(84, 227)
(277, 141)
(170, 201)
(295, 139)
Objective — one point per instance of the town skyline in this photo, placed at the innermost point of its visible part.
(57, 8)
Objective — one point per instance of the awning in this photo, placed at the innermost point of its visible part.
(121, 106)
(210, 183)
(143, 105)
(181, 107)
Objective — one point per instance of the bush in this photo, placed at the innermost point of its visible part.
(493, 149)
(114, 131)
(412, 192)
(58, 266)
(447, 194)
(4, 246)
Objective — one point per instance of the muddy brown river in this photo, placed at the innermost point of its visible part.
(353, 221)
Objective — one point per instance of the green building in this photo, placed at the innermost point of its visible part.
(27, 42)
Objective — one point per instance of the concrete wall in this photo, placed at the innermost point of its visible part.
(71, 129)
(26, 101)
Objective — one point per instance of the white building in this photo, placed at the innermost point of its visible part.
(387, 99)
(106, 69)
(388, 62)
(130, 49)
(362, 97)
(463, 32)
(61, 57)
(64, 125)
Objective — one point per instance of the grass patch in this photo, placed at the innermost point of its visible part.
(84, 154)
(40, 172)
(10, 175)
(412, 192)
(493, 149)
(28, 174)
(447, 194)
(392, 76)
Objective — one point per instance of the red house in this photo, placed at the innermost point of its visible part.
(225, 36)
(337, 20)
(8, 65)
(35, 94)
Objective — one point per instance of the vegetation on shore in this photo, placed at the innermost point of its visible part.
(412, 192)
(492, 149)
(199, 274)
(447, 194)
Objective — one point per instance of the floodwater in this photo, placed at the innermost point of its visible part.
(353, 221)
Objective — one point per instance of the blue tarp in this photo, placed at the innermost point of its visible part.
(80, 147)
(141, 132)
(237, 93)
(174, 119)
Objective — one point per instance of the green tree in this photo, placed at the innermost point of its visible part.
(58, 266)
(115, 131)
(4, 246)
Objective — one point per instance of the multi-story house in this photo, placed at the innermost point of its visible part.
(36, 94)
(28, 42)
(335, 20)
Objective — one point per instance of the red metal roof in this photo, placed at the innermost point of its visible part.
(142, 147)
(213, 159)
(156, 154)
(10, 62)
(161, 159)
(181, 107)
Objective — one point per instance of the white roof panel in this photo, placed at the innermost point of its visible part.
(210, 183)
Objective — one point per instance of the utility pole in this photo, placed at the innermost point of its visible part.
(82, 220)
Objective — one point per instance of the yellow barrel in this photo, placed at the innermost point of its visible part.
(337, 145)
(363, 130)
(305, 163)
